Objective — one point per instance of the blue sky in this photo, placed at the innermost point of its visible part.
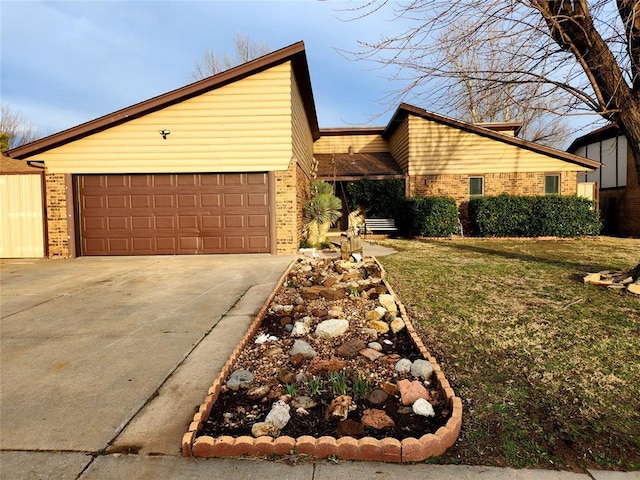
(64, 63)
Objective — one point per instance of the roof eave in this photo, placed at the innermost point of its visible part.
(295, 53)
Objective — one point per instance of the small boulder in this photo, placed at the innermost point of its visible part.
(303, 402)
(264, 429)
(389, 388)
(423, 408)
(256, 393)
(378, 396)
(388, 302)
(377, 419)
(339, 408)
(379, 326)
(319, 366)
(403, 365)
(302, 347)
(332, 294)
(397, 325)
(279, 415)
(300, 329)
(412, 391)
(349, 428)
(375, 346)
(422, 369)
(239, 379)
(371, 354)
(332, 328)
(351, 348)
(297, 360)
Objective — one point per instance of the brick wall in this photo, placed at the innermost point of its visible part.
(56, 199)
(292, 190)
(457, 186)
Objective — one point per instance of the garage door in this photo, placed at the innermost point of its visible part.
(174, 214)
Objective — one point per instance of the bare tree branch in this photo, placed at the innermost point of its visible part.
(18, 130)
(212, 62)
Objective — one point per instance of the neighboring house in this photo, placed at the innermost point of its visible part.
(224, 165)
(438, 155)
(617, 180)
(21, 210)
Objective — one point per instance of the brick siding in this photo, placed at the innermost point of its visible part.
(56, 200)
(292, 191)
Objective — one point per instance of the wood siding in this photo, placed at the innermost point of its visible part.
(399, 145)
(241, 127)
(437, 149)
(612, 153)
(302, 139)
(21, 221)
(360, 144)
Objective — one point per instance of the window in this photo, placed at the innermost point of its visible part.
(476, 187)
(551, 184)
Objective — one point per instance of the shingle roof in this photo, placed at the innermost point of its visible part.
(602, 133)
(9, 165)
(352, 166)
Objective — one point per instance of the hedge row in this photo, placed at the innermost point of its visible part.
(531, 216)
(428, 216)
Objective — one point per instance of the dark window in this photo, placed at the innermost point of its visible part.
(551, 184)
(476, 187)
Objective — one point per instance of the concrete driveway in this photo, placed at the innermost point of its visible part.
(115, 354)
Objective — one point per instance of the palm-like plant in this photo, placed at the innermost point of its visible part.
(320, 211)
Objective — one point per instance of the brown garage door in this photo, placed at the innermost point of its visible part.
(174, 214)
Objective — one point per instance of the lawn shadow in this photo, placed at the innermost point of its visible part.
(582, 267)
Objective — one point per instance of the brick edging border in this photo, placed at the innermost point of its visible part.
(348, 448)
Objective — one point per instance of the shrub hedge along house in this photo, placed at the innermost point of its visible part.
(224, 165)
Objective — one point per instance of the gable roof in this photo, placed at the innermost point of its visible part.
(353, 166)
(294, 53)
(404, 110)
(9, 165)
(602, 133)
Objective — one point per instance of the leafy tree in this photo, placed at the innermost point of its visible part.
(212, 62)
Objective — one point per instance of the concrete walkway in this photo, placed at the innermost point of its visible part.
(105, 360)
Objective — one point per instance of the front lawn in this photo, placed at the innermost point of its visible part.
(548, 368)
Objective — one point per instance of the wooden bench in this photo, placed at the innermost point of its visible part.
(380, 225)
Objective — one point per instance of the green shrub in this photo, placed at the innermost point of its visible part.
(534, 216)
(378, 198)
(428, 216)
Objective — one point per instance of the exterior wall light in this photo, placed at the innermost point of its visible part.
(164, 133)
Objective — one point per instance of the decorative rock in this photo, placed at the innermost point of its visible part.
(264, 338)
(257, 393)
(412, 391)
(285, 376)
(300, 329)
(286, 321)
(310, 293)
(387, 342)
(378, 396)
(404, 410)
(303, 402)
(319, 366)
(392, 358)
(332, 328)
(379, 326)
(373, 316)
(300, 346)
(339, 408)
(377, 419)
(297, 360)
(349, 428)
(273, 352)
(389, 388)
(397, 325)
(288, 328)
(262, 429)
(334, 313)
(302, 377)
(351, 347)
(370, 332)
(330, 281)
(302, 412)
(375, 346)
(332, 294)
(403, 365)
(388, 302)
(390, 317)
(320, 313)
(239, 379)
(422, 369)
(423, 407)
(279, 415)
(371, 354)
(634, 288)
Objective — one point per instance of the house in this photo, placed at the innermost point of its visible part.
(437, 155)
(224, 165)
(617, 180)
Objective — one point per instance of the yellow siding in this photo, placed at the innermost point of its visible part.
(360, 144)
(399, 145)
(302, 138)
(439, 149)
(21, 223)
(243, 126)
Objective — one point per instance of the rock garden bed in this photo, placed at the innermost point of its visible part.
(330, 367)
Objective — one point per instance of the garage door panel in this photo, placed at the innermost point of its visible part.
(174, 213)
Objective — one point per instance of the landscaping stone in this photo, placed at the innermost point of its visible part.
(397, 325)
(422, 369)
(423, 407)
(279, 415)
(264, 429)
(300, 329)
(320, 366)
(412, 391)
(350, 428)
(339, 408)
(302, 347)
(239, 379)
(258, 393)
(378, 396)
(332, 328)
(634, 288)
(371, 354)
(377, 419)
(389, 388)
(388, 302)
(351, 348)
(403, 365)
(303, 401)
(379, 326)
(332, 294)
(375, 346)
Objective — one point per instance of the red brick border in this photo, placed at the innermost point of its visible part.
(348, 448)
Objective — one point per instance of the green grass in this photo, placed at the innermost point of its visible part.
(548, 368)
